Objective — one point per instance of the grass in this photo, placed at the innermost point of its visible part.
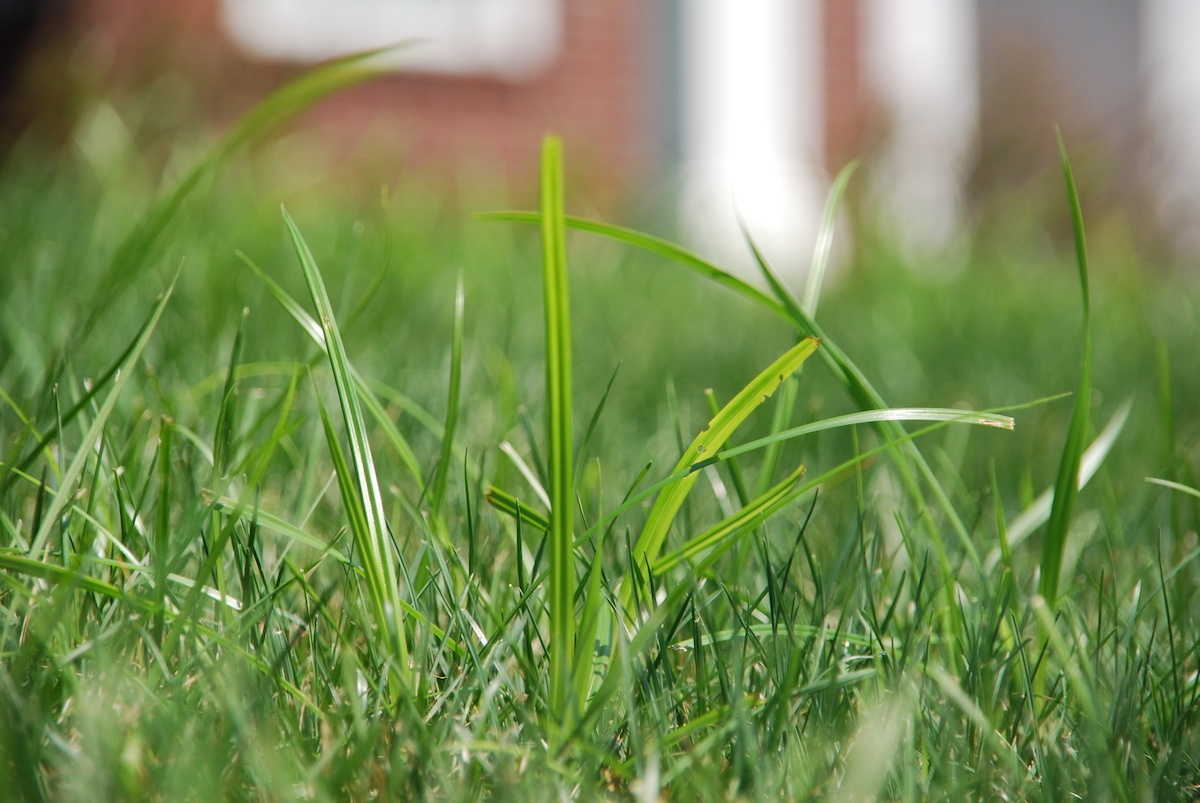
(354, 502)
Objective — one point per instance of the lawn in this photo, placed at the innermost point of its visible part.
(383, 496)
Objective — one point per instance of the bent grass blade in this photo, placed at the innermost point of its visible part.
(746, 519)
(704, 448)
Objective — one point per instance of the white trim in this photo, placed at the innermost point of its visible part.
(510, 39)
(752, 130)
(922, 67)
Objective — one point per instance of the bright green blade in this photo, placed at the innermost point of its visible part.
(910, 462)
(558, 434)
(509, 504)
(1175, 486)
(1037, 513)
(655, 245)
(275, 524)
(365, 394)
(824, 244)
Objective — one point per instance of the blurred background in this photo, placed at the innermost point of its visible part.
(956, 278)
(690, 111)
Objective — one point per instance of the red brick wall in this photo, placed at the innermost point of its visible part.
(593, 94)
(844, 107)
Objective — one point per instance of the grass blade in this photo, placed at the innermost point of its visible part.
(558, 435)
(509, 504)
(370, 533)
(223, 436)
(1175, 486)
(844, 369)
(740, 522)
(655, 245)
(1066, 487)
(705, 446)
(824, 245)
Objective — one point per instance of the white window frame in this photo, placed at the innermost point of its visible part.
(508, 39)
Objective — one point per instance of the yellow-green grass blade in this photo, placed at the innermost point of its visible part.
(84, 452)
(11, 561)
(709, 442)
(1175, 486)
(597, 630)
(558, 435)
(765, 630)
(1066, 486)
(781, 417)
(277, 525)
(939, 418)
(376, 552)
(741, 522)
(223, 435)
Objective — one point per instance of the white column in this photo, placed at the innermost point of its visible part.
(922, 69)
(752, 130)
(1170, 67)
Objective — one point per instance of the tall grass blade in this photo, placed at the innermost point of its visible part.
(370, 533)
(1175, 486)
(509, 504)
(223, 437)
(558, 435)
(1066, 486)
(655, 245)
(268, 521)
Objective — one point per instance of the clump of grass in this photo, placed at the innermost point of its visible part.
(811, 595)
